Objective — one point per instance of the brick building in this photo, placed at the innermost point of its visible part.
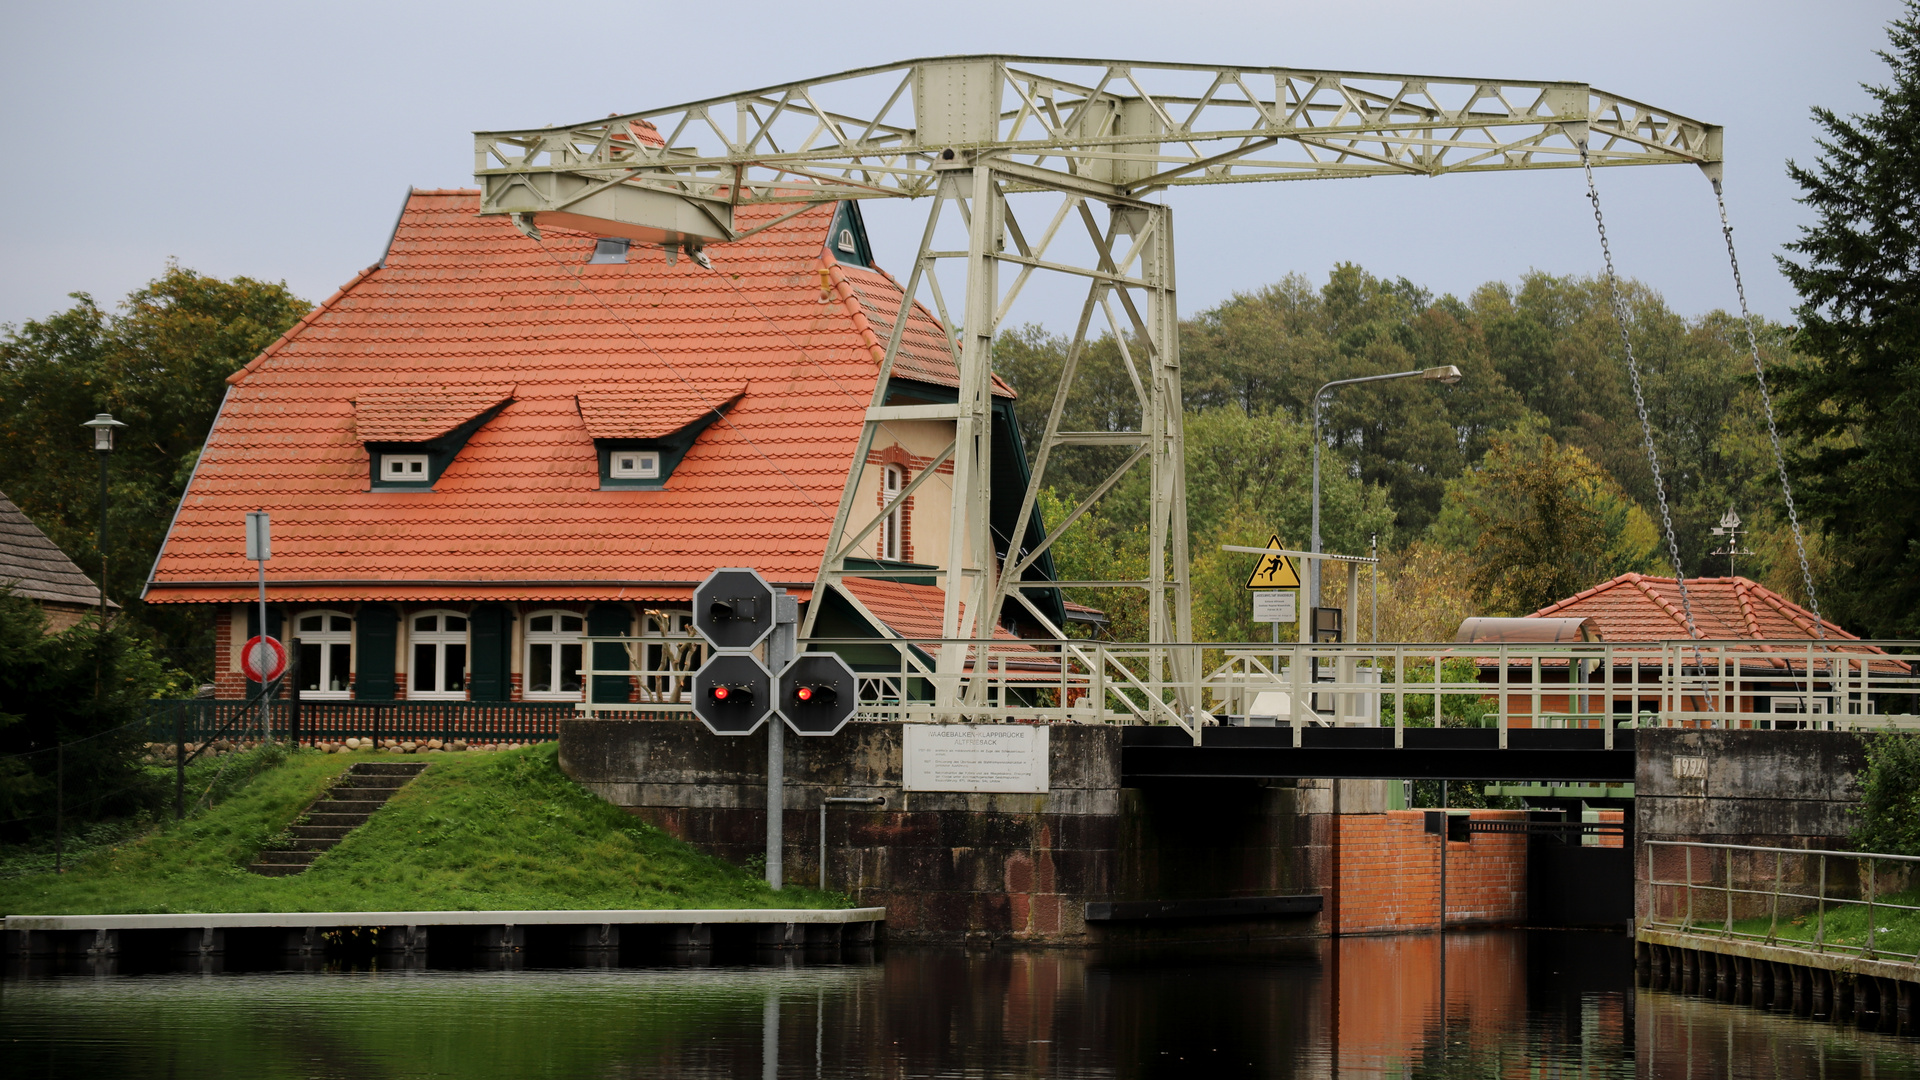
(491, 444)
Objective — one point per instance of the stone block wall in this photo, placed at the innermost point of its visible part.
(1788, 789)
(951, 866)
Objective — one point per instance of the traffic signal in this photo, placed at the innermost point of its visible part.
(731, 692)
(818, 694)
(733, 608)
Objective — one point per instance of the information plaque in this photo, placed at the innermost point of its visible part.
(976, 757)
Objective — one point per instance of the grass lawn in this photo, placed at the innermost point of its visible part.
(476, 831)
(1845, 926)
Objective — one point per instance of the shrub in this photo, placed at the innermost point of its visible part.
(1889, 808)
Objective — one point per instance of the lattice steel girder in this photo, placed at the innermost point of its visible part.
(1115, 130)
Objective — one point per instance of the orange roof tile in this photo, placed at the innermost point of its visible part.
(914, 612)
(653, 414)
(468, 301)
(418, 414)
(1634, 607)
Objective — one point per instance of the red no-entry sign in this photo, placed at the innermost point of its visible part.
(264, 659)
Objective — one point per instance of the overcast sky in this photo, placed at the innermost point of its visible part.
(276, 140)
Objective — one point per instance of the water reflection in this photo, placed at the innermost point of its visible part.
(1493, 1004)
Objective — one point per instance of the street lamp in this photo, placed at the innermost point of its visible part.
(1446, 375)
(103, 426)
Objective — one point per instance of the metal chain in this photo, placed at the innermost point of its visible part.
(1766, 400)
(1639, 398)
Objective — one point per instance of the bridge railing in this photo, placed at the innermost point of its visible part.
(1792, 685)
(1600, 686)
(1849, 902)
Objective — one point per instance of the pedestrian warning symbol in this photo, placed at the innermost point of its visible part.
(1275, 570)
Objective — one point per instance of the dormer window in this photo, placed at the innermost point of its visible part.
(403, 468)
(609, 249)
(847, 243)
(412, 434)
(640, 438)
(634, 465)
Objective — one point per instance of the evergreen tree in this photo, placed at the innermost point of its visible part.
(1859, 285)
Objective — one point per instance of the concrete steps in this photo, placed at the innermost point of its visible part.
(345, 807)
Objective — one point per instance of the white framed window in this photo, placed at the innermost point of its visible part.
(404, 468)
(892, 478)
(846, 242)
(439, 669)
(634, 464)
(554, 655)
(325, 641)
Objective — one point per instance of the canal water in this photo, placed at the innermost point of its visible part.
(1493, 1004)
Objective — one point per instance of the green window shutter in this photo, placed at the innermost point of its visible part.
(605, 621)
(492, 637)
(378, 629)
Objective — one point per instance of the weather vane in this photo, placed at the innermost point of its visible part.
(1729, 527)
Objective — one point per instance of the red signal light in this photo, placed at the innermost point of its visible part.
(719, 693)
(805, 693)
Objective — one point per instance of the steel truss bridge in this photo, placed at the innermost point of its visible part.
(1047, 165)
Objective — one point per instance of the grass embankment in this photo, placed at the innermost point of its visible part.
(475, 832)
(1845, 926)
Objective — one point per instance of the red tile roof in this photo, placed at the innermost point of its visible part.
(467, 301)
(418, 414)
(914, 612)
(1634, 607)
(654, 414)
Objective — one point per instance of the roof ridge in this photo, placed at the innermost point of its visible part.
(1798, 614)
(319, 309)
(1674, 613)
(1582, 595)
(836, 277)
(1740, 595)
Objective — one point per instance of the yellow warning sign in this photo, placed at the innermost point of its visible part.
(1275, 570)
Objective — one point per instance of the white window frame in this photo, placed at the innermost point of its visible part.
(553, 640)
(415, 471)
(847, 243)
(439, 639)
(892, 480)
(325, 638)
(646, 465)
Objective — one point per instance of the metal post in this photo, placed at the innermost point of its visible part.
(1444, 823)
(265, 697)
(293, 691)
(1313, 569)
(781, 647)
(1871, 883)
(59, 808)
(1373, 549)
(179, 763)
(103, 542)
(1688, 924)
(1820, 916)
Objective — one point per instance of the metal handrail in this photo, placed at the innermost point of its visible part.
(1594, 685)
(1721, 886)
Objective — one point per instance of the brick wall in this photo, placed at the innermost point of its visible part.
(1389, 874)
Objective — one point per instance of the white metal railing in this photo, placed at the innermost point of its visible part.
(1592, 685)
(1824, 901)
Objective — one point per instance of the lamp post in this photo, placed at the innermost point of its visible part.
(103, 426)
(1446, 374)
